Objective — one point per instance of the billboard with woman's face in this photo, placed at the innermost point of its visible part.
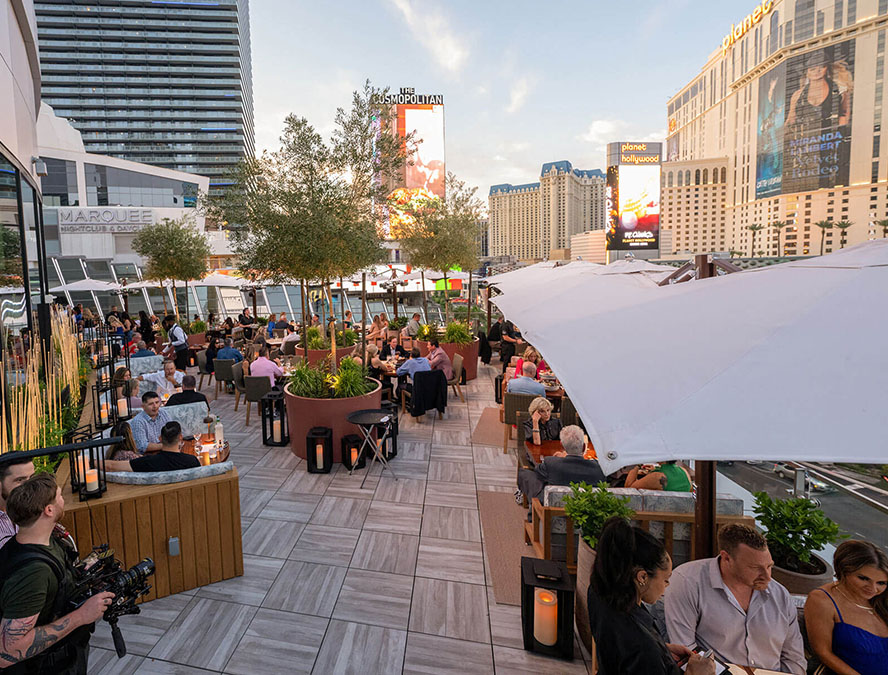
(805, 143)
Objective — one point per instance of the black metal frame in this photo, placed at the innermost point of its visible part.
(319, 436)
(352, 442)
(564, 592)
(274, 406)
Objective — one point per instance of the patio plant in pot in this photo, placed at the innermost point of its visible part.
(458, 339)
(319, 345)
(795, 529)
(589, 507)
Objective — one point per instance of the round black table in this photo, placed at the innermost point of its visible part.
(367, 421)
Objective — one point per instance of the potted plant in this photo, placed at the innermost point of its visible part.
(318, 345)
(318, 397)
(458, 339)
(395, 325)
(795, 529)
(589, 508)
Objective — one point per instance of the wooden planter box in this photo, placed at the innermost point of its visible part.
(305, 413)
(139, 520)
(469, 353)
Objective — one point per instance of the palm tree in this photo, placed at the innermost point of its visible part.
(884, 225)
(779, 225)
(754, 228)
(824, 225)
(843, 225)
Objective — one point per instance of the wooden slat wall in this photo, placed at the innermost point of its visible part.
(203, 514)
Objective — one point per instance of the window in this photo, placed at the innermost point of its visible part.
(697, 177)
(705, 176)
(109, 186)
(724, 175)
(669, 180)
(59, 185)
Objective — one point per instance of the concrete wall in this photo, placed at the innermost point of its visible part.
(19, 82)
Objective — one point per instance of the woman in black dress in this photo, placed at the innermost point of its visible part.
(146, 329)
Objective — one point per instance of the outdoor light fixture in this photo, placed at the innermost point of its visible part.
(319, 449)
(274, 419)
(547, 607)
(88, 472)
(39, 166)
(351, 452)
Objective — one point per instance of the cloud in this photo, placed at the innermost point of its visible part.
(432, 30)
(518, 95)
(603, 131)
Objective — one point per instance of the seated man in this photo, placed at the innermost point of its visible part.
(263, 366)
(170, 457)
(414, 364)
(731, 605)
(282, 322)
(133, 344)
(541, 426)
(412, 327)
(13, 472)
(166, 380)
(439, 360)
(291, 336)
(392, 348)
(562, 468)
(142, 350)
(526, 383)
(147, 424)
(188, 394)
(228, 352)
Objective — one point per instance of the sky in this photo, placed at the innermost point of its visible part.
(523, 82)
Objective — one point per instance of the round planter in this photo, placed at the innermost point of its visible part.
(317, 355)
(469, 353)
(802, 584)
(305, 413)
(585, 561)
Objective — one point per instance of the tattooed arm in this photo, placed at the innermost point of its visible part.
(21, 639)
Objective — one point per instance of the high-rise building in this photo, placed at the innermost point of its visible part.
(162, 82)
(531, 221)
(783, 123)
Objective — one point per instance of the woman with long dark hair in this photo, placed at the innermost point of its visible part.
(212, 351)
(631, 567)
(847, 620)
(146, 329)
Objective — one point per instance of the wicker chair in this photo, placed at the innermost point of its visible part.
(224, 373)
(255, 387)
(202, 368)
(512, 403)
(457, 375)
(568, 412)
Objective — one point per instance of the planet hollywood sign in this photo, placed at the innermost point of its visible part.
(104, 220)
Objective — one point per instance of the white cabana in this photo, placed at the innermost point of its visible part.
(87, 286)
(784, 362)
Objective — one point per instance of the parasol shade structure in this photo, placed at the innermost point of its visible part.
(87, 286)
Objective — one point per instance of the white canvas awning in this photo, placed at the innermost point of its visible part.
(784, 362)
(87, 286)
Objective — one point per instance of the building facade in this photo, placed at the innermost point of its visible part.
(791, 105)
(160, 82)
(529, 221)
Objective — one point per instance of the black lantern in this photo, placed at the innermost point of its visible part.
(88, 472)
(103, 406)
(274, 419)
(319, 449)
(391, 407)
(547, 607)
(351, 452)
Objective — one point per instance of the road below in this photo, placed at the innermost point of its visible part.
(855, 518)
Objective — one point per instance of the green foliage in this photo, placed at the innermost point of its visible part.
(398, 324)
(262, 320)
(457, 333)
(308, 381)
(590, 507)
(197, 327)
(317, 381)
(351, 380)
(10, 257)
(312, 333)
(426, 332)
(346, 338)
(317, 343)
(795, 528)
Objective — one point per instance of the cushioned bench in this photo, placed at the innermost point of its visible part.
(167, 477)
(142, 366)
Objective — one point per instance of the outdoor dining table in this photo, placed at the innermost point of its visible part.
(222, 453)
(534, 454)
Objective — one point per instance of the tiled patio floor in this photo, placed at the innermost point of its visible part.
(386, 579)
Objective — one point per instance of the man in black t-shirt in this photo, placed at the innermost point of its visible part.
(170, 457)
(188, 394)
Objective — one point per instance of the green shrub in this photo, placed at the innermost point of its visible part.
(317, 381)
(457, 333)
(590, 507)
(198, 327)
(795, 529)
(351, 380)
(262, 320)
(398, 324)
(426, 332)
(346, 338)
(309, 381)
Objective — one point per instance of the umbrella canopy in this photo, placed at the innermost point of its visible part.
(153, 284)
(221, 280)
(87, 286)
(784, 362)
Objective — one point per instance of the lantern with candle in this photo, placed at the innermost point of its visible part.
(351, 452)
(547, 607)
(391, 449)
(88, 469)
(274, 419)
(319, 449)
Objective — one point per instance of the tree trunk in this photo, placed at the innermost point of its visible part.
(255, 293)
(395, 291)
(164, 298)
(304, 322)
(342, 302)
(822, 237)
(469, 303)
(175, 300)
(331, 325)
(187, 308)
(425, 304)
(364, 317)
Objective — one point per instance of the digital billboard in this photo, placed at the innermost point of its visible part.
(804, 122)
(633, 196)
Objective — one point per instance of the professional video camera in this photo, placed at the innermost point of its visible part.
(101, 571)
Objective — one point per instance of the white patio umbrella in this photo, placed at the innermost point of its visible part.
(87, 286)
(220, 280)
(785, 362)
(154, 284)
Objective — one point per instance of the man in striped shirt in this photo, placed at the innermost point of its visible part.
(13, 472)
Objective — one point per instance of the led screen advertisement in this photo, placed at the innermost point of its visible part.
(804, 122)
(633, 207)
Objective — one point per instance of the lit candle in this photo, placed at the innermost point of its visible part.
(121, 407)
(276, 431)
(95, 360)
(82, 465)
(92, 480)
(354, 456)
(319, 455)
(103, 413)
(545, 616)
(205, 455)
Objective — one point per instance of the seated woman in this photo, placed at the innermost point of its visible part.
(269, 327)
(130, 390)
(375, 366)
(532, 355)
(227, 327)
(847, 620)
(669, 476)
(126, 449)
(541, 426)
(375, 330)
(348, 321)
(121, 376)
(384, 324)
(632, 567)
(212, 351)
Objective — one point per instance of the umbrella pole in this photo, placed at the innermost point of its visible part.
(364, 316)
(304, 321)
(469, 303)
(425, 304)
(704, 473)
(395, 291)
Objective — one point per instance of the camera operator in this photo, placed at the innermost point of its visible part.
(38, 633)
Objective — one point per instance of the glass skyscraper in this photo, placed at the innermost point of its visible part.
(163, 82)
